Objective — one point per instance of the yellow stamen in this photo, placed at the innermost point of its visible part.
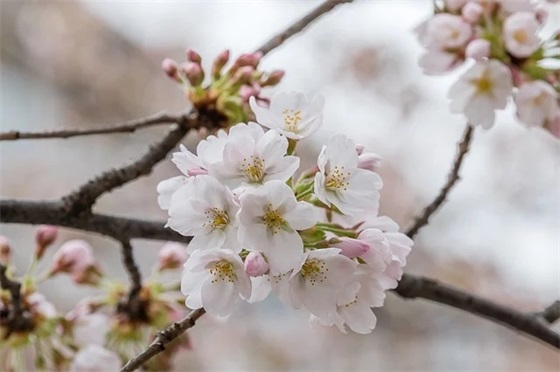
(253, 168)
(291, 119)
(314, 271)
(223, 271)
(217, 218)
(273, 219)
(336, 179)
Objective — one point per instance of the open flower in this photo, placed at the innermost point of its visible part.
(269, 219)
(447, 31)
(340, 182)
(215, 279)
(206, 210)
(520, 34)
(481, 90)
(291, 114)
(254, 158)
(536, 103)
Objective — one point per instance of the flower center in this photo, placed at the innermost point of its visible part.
(217, 218)
(336, 179)
(483, 85)
(253, 168)
(223, 271)
(314, 271)
(291, 119)
(273, 219)
(520, 36)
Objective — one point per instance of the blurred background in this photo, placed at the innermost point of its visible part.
(85, 64)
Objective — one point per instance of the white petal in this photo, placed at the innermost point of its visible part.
(220, 297)
(304, 216)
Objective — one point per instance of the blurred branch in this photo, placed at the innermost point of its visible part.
(452, 178)
(128, 127)
(420, 287)
(17, 319)
(163, 338)
(133, 305)
(552, 313)
(300, 25)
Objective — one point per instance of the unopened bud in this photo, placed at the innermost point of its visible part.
(248, 91)
(255, 264)
(243, 75)
(369, 161)
(44, 237)
(171, 256)
(360, 149)
(170, 67)
(478, 49)
(471, 12)
(5, 250)
(193, 56)
(219, 63)
(194, 73)
(349, 247)
(250, 59)
(76, 258)
(274, 78)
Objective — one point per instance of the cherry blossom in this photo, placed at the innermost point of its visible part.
(95, 358)
(520, 34)
(537, 102)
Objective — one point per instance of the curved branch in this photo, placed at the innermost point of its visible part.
(552, 313)
(419, 287)
(163, 338)
(127, 127)
(300, 25)
(452, 179)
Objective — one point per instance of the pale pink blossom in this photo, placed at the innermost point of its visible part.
(369, 161)
(95, 358)
(536, 103)
(520, 34)
(90, 329)
(171, 256)
(44, 237)
(437, 62)
(447, 31)
(255, 264)
(481, 90)
(478, 49)
(351, 248)
(76, 258)
(472, 11)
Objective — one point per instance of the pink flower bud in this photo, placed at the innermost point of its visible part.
(255, 264)
(171, 256)
(193, 56)
(44, 237)
(471, 12)
(369, 161)
(194, 73)
(243, 75)
(274, 78)
(478, 49)
(196, 172)
(351, 248)
(170, 67)
(76, 258)
(219, 63)
(5, 250)
(251, 59)
(360, 149)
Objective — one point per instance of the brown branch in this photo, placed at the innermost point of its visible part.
(528, 324)
(127, 127)
(134, 306)
(300, 25)
(17, 318)
(163, 338)
(552, 313)
(452, 179)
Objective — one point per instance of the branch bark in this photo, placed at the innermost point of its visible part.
(300, 25)
(452, 179)
(163, 338)
(552, 313)
(127, 127)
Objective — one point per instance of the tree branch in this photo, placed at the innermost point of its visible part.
(163, 338)
(552, 313)
(452, 179)
(528, 324)
(131, 268)
(300, 25)
(127, 127)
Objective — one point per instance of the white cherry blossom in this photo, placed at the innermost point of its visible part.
(215, 280)
(292, 114)
(520, 34)
(206, 210)
(536, 102)
(254, 158)
(447, 31)
(481, 90)
(269, 219)
(341, 183)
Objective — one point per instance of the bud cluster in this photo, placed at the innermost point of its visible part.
(222, 92)
(503, 40)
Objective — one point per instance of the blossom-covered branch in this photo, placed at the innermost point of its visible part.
(127, 127)
(452, 178)
(300, 25)
(163, 338)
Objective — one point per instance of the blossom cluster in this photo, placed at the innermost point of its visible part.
(225, 95)
(501, 41)
(259, 226)
(99, 334)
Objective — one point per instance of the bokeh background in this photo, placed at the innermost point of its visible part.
(84, 64)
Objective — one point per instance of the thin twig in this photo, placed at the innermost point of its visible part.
(17, 319)
(420, 287)
(452, 179)
(552, 313)
(300, 25)
(163, 338)
(127, 127)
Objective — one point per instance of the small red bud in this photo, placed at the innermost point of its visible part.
(193, 56)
